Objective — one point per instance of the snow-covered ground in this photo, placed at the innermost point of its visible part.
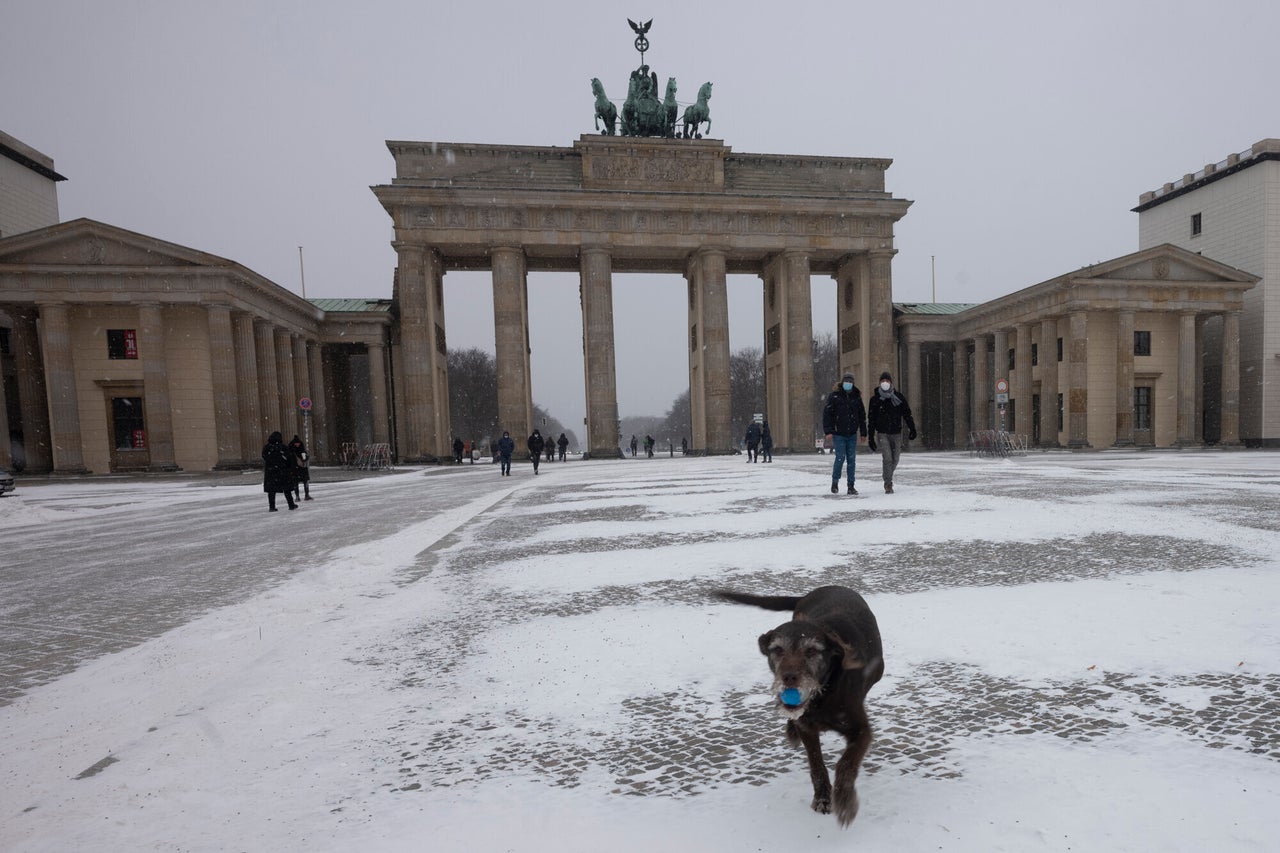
(1082, 653)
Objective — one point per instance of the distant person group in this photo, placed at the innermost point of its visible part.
(537, 445)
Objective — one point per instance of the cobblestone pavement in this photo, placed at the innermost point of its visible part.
(674, 744)
(107, 580)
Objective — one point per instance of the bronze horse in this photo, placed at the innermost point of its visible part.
(697, 113)
(605, 110)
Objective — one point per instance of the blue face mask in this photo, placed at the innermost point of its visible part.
(848, 386)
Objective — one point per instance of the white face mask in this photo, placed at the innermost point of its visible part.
(885, 386)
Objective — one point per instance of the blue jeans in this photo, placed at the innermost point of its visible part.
(844, 446)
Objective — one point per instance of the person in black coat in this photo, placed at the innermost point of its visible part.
(536, 444)
(301, 468)
(563, 443)
(844, 418)
(458, 447)
(766, 442)
(277, 473)
(753, 442)
(886, 414)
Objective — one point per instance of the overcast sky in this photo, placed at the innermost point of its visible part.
(1023, 131)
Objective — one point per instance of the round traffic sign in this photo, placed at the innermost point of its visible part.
(305, 404)
(1002, 386)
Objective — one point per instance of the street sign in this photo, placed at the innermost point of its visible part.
(1002, 386)
(1002, 398)
(305, 404)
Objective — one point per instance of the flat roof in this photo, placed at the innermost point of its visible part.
(19, 152)
(1259, 152)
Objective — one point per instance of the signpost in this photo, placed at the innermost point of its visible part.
(305, 405)
(1002, 398)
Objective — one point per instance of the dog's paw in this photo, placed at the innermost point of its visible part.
(846, 805)
(821, 803)
(792, 734)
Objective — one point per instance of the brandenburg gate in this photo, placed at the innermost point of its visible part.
(624, 204)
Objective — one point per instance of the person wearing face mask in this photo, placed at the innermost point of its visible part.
(844, 418)
(885, 415)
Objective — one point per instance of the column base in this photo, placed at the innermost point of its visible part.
(607, 453)
(69, 472)
(1127, 443)
(1079, 445)
(162, 469)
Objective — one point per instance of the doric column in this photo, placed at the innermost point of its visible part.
(32, 398)
(226, 403)
(1124, 379)
(596, 285)
(981, 383)
(1186, 379)
(1022, 385)
(6, 453)
(288, 397)
(1077, 398)
(301, 381)
(511, 341)
(1229, 432)
(960, 394)
(1049, 382)
(251, 435)
(422, 368)
(1000, 370)
(880, 348)
(709, 352)
(264, 345)
(157, 404)
(797, 347)
(319, 405)
(378, 392)
(914, 382)
(60, 382)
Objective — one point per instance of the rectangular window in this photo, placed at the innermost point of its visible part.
(127, 426)
(1142, 407)
(122, 343)
(1059, 412)
(1195, 224)
(1142, 343)
(1035, 355)
(1011, 360)
(1059, 349)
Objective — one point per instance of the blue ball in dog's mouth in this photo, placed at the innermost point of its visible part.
(791, 697)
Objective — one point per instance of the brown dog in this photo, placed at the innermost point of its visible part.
(823, 662)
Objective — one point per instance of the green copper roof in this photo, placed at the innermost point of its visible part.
(351, 305)
(933, 307)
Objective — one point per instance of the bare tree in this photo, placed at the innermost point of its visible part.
(746, 388)
(826, 370)
(473, 394)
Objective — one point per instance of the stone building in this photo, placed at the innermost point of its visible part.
(1230, 211)
(28, 188)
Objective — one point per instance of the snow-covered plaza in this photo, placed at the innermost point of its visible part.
(1082, 653)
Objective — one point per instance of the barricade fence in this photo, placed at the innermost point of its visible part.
(997, 443)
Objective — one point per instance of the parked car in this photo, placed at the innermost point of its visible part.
(6, 482)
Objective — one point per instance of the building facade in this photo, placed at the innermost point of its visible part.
(28, 188)
(1230, 211)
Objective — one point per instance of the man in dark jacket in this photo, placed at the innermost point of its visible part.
(506, 446)
(766, 442)
(277, 471)
(844, 418)
(536, 444)
(458, 447)
(886, 414)
(563, 443)
(753, 442)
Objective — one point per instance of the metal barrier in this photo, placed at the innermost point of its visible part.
(374, 457)
(997, 443)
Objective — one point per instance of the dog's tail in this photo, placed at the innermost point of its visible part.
(768, 602)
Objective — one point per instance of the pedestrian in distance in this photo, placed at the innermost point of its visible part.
(753, 442)
(844, 418)
(563, 443)
(634, 445)
(684, 446)
(766, 442)
(886, 414)
(458, 447)
(473, 450)
(551, 450)
(536, 444)
(505, 447)
(648, 446)
(301, 468)
(277, 473)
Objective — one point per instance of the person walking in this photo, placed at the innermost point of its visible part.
(886, 414)
(551, 450)
(684, 446)
(634, 445)
(505, 448)
(458, 447)
(766, 442)
(648, 446)
(301, 468)
(753, 442)
(844, 418)
(563, 443)
(536, 444)
(473, 450)
(277, 475)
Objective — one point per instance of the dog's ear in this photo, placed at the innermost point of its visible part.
(765, 640)
(848, 657)
(873, 671)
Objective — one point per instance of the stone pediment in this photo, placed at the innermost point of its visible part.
(1167, 263)
(84, 242)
